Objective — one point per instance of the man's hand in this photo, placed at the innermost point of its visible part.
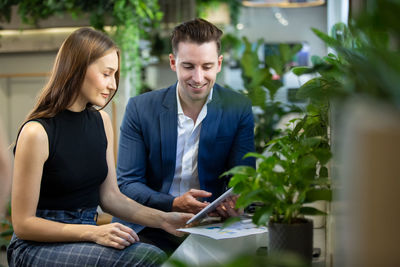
(188, 202)
(227, 208)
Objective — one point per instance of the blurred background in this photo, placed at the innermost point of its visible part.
(27, 51)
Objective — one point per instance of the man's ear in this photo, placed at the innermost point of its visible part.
(172, 62)
(220, 58)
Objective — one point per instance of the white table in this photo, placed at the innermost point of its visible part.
(199, 250)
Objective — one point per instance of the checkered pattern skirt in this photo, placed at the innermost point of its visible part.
(28, 253)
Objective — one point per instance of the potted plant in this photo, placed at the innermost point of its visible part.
(291, 176)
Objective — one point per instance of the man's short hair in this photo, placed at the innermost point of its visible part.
(198, 31)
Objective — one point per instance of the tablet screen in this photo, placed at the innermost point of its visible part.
(211, 206)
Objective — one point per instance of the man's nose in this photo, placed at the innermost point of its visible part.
(198, 75)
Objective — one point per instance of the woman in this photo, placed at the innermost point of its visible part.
(64, 168)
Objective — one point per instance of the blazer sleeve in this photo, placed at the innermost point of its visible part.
(132, 163)
(244, 139)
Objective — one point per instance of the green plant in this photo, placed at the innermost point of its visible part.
(293, 175)
(133, 20)
(366, 59)
(6, 234)
(7, 230)
(202, 6)
(365, 62)
(261, 87)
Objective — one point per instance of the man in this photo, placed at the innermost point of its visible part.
(176, 142)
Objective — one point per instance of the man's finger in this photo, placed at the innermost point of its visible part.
(199, 193)
(222, 212)
(232, 212)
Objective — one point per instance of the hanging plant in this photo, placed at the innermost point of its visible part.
(132, 21)
(202, 6)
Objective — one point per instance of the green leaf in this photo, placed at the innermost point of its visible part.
(246, 199)
(326, 38)
(240, 170)
(176, 263)
(230, 221)
(7, 232)
(255, 155)
(311, 141)
(323, 155)
(275, 62)
(301, 70)
(262, 215)
(316, 60)
(318, 194)
(311, 211)
(272, 86)
(323, 172)
(307, 162)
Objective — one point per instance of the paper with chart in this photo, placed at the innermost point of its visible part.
(216, 231)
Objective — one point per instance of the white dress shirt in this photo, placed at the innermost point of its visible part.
(187, 147)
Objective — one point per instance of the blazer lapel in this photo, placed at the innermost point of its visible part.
(168, 130)
(209, 126)
(209, 131)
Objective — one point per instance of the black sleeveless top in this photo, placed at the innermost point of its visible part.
(76, 165)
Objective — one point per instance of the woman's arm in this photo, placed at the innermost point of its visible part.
(31, 153)
(119, 205)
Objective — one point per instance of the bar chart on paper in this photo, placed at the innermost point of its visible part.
(217, 231)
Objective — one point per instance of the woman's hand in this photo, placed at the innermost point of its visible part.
(114, 235)
(174, 220)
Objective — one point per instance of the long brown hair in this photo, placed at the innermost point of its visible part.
(78, 51)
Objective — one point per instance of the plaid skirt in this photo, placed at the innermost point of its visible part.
(29, 253)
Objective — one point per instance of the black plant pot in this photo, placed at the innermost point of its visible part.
(296, 238)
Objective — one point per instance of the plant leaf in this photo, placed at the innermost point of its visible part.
(318, 194)
(326, 38)
(301, 70)
(311, 211)
(262, 215)
(240, 170)
(230, 221)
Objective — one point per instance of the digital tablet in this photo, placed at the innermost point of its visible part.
(211, 206)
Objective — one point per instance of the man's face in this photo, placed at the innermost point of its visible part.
(196, 66)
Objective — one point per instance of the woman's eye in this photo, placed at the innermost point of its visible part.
(106, 75)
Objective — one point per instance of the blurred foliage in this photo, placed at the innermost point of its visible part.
(6, 229)
(134, 20)
(366, 58)
(261, 87)
(203, 6)
(365, 61)
(259, 260)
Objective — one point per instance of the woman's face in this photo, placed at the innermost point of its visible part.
(99, 83)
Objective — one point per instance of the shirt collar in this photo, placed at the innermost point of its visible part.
(178, 101)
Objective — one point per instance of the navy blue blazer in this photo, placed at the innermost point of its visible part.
(148, 137)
